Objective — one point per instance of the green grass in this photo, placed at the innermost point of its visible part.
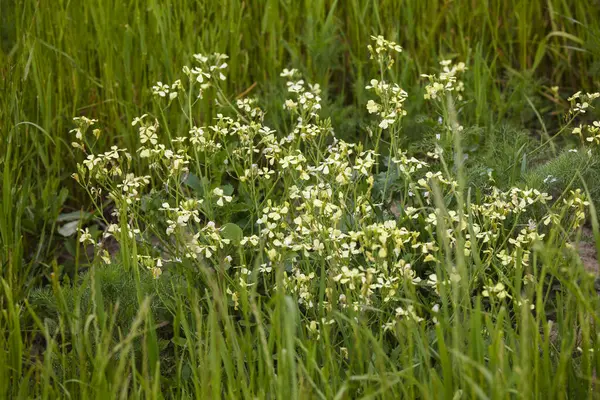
(72, 327)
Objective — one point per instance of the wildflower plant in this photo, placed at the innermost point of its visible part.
(579, 104)
(266, 213)
(445, 91)
(446, 81)
(391, 97)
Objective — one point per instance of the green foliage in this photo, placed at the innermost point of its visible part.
(568, 171)
(118, 289)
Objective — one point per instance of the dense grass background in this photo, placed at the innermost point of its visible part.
(60, 59)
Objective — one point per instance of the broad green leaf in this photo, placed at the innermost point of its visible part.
(227, 190)
(195, 183)
(73, 216)
(232, 232)
(69, 228)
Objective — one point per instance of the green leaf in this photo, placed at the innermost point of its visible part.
(69, 228)
(70, 246)
(73, 216)
(186, 372)
(179, 341)
(524, 164)
(62, 196)
(232, 232)
(195, 183)
(566, 36)
(539, 54)
(227, 190)
(289, 261)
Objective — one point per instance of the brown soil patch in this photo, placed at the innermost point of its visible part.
(587, 251)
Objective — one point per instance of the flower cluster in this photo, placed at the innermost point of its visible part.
(588, 132)
(82, 125)
(183, 214)
(390, 106)
(306, 103)
(391, 109)
(581, 102)
(446, 81)
(164, 90)
(299, 211)
(174, 161)
(383, 51)
(209, 67)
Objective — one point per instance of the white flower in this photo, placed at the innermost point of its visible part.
(86, 237)
(290, 104)
(289, 73)
(105, 256)
(138, 120)
(200, 58)
(372, 107)
(148, 134)
(385, 123)
(295, 87)
(221, 197)
(160, 89)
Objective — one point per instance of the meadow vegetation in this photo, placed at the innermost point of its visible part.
(314, 199)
